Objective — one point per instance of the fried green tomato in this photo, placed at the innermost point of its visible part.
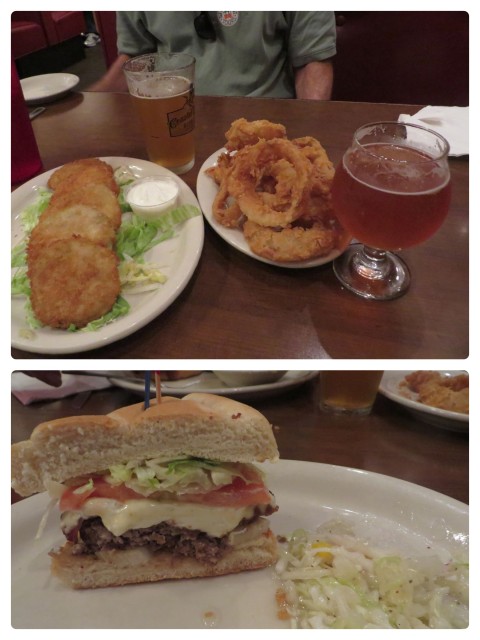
(96, 196)
(77, 221)
(79, 173)
(73, 281)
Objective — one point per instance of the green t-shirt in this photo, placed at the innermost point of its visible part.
(253, 53)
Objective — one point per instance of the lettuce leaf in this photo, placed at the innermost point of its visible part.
(119, 309)
(185, 475)
(21, 283)
(30, 215)
(136, 236)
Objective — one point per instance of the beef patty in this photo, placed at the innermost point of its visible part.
(90, 536)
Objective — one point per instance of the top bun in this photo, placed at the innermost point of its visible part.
(199, 425)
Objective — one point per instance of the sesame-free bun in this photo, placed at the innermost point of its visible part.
(113, 568)
(200, 425)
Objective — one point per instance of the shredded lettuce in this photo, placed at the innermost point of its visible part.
(331, 579)
(19, 256)
(31, 319)
(88, 486)
(139, 277)
(31, 214)
(136, 236)
(119, 309)
(20, 283)
(185, 475)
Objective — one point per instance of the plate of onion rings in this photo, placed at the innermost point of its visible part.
(207, 190)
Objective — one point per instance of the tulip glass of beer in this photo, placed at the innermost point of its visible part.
(391, 191)
(162, 89)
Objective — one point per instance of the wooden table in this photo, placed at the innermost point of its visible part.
(237, 307)
(389, 441)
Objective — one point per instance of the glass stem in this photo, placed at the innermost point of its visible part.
(372, 263)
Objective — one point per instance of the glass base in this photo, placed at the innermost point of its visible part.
(371, 273)
(184, 168)
(345, 411)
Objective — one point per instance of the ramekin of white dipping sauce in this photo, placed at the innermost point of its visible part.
(153, 196)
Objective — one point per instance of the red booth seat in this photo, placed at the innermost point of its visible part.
(36, 30)
(415, 57)
(27, 37)
(63, 25)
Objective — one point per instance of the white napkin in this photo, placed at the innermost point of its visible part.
(450, 122)
(28, 390)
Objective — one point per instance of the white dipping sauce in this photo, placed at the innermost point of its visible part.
(151, 197)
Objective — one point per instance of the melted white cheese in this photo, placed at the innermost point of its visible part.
(119, 517)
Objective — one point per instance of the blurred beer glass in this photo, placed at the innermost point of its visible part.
(349, 392)
(162, 89)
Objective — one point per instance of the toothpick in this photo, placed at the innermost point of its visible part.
(158, 386)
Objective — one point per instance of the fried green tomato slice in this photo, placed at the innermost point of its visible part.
(76, 221)
(73, 281)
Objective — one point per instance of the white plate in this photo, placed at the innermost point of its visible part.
(207, 382)
(178, 258)
(391, 512)
(451, 420)
(206, 192)
(48, 87)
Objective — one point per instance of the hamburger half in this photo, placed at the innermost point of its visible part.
(167, 492)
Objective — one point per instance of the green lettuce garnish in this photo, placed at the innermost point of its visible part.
(21, 283)
(184, 475)
(31, 214)
(136, 236)
(120, 308)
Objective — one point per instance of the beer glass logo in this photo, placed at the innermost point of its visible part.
(181, 121)
(227, 18)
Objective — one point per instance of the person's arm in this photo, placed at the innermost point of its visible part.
(114, 79)
(314, 81)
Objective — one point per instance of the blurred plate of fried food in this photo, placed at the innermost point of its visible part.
(440, 398)
(269, 196)
(177, 256)
(180, 383)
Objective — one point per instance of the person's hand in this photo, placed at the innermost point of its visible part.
(53, 378)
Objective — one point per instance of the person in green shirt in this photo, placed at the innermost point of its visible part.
(281, 54)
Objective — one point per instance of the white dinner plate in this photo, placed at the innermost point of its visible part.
(207, 190)
(451, 420)
(391, 513)
(178, 258)
(47, 87)
(207, 382)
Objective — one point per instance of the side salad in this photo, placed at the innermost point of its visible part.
(332, 579)
(135, 238)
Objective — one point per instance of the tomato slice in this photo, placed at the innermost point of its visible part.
(71, 501)
(235, 495)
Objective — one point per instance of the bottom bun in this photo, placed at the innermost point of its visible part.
(114, 568)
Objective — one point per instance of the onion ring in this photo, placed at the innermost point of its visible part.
(225, 210)
(290, 244)
(268, 159)
(243, 133)
(219, 170)
(323, 169)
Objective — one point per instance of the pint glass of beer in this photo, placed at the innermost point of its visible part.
(162, 89)
(351, 392)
